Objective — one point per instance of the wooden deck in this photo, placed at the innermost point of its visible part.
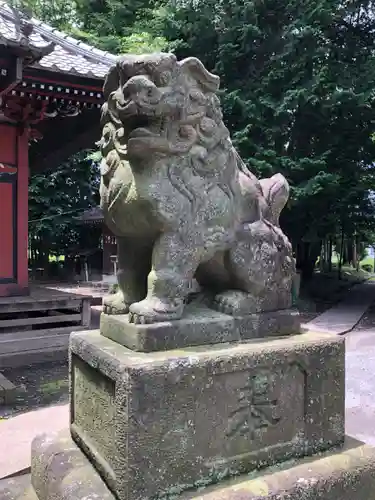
(36, 328)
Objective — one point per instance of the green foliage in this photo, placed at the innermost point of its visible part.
(297, 92)
(142, 43)
(59, 13)
(56, 198)
(121, 25)
(115, 26)
(298, 97)
(367, 267)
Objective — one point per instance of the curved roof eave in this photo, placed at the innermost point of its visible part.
(49, 48)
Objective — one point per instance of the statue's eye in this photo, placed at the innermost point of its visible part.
(164, 78)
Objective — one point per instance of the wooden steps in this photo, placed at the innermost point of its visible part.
(35, 327)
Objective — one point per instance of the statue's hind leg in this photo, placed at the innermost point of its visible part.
(246, 296)
(237, 303)
(261, 274)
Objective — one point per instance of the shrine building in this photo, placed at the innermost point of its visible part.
(94, 217)
(51, 95)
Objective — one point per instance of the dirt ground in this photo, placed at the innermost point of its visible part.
(37, 386)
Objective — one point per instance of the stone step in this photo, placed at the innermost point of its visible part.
(61, 471)
(14, 488)
(7, 391)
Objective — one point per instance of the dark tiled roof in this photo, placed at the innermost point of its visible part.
(52, 49)
(92, 215)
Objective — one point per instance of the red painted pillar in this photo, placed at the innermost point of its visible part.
(23, 213)
(14, 178)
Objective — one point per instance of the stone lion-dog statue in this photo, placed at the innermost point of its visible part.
(180, 200)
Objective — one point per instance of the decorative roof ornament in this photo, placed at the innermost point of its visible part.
(26, 28)
(23, 16)
(16, 33)
(48, 48)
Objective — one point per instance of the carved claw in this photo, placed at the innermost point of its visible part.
(154, 310)
(115, 304)
(138, 319)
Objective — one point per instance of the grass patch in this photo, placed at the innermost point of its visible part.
(367, 261)
(54, 387)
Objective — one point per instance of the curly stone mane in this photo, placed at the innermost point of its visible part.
(185, 115)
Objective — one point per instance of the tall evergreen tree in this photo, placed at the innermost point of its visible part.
(60, 13)
(121, 25)
(297, 91)
(298, 97)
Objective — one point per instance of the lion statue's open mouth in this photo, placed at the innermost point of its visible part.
(140, 126)
(144, 125)
(180, 199)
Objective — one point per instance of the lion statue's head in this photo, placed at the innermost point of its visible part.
(157, 107)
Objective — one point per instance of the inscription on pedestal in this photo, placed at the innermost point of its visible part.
(257, 414)
(256, 410)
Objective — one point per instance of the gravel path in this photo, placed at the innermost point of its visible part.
(368, 321)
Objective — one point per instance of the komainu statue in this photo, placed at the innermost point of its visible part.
(180, 200)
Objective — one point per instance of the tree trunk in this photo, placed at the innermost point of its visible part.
(355, 254)
(322, 261)
(348, 256)
(307, 254)
(330, 252)
(341, 252)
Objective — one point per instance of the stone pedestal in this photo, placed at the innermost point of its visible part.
(176, 420)
(199, 326)
(243, 420)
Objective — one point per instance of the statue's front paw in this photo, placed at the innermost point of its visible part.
(154, 310)
(115, 304)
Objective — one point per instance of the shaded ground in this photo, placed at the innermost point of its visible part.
(326, 290)
(17, 485)
(368, 321)
(39, 386)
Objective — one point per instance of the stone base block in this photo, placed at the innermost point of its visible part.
(200, 325)
(154, 423)
(7, 391)
(60, 471)
(17, 488)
